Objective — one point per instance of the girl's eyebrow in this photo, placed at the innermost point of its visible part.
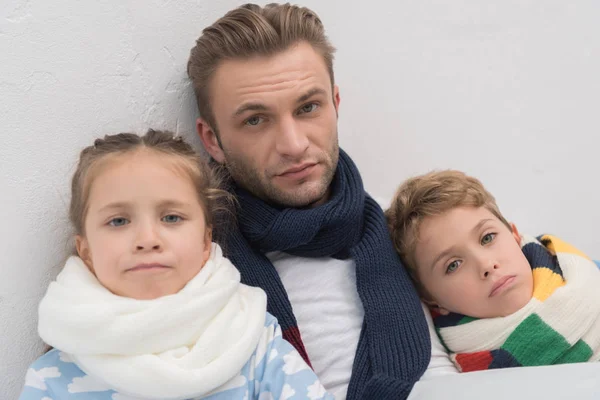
(119, 205)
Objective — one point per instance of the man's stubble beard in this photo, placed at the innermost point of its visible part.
(244, 173)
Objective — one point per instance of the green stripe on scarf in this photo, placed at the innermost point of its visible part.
(560, 324)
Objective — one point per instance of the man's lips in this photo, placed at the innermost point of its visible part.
(298, 170)
(147, 267)
(501, 283)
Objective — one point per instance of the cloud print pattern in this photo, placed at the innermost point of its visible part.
(275, 371)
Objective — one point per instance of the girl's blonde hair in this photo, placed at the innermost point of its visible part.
(206, 181)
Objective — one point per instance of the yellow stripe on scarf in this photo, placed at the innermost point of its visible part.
(545, 282)
(555, 245)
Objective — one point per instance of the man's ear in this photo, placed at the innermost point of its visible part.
(336, 98)
(210, 141)
(83, 251)
(515, 233)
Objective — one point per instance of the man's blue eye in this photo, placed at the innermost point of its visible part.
(118, 221)
(253, 121)
(308, 108)
(171, 219)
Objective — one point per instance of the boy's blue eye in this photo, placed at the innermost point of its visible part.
(453, 266)
(171, 219)
(119, 221)
(487, 238)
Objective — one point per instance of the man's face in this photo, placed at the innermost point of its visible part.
(276, 118)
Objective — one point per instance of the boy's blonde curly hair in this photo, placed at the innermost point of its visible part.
(432, 194)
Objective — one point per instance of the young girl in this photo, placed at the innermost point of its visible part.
(150, 308)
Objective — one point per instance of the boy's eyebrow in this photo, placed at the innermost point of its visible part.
(449, 250)
(480, 224)
(440, 256)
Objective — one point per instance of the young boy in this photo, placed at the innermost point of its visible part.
(498, 299)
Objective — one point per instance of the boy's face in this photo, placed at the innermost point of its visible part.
(471, 263)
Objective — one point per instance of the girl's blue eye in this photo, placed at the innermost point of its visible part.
(171, 219)
(119, 221)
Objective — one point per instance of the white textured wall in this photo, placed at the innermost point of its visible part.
(506, 90)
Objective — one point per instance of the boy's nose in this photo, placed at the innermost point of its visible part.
(488, 268)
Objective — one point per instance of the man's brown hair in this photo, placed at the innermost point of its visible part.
(432, 194)
(249, 31)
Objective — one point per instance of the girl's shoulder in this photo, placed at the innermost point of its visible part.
(54, 375)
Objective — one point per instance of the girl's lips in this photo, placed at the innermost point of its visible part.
(147, 267)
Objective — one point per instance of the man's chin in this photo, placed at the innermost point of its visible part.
(299, 198)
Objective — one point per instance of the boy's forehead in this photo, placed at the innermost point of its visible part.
(439, 232)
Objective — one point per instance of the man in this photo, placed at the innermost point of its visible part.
(307, 233)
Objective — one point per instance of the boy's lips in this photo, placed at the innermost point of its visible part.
(502, 284)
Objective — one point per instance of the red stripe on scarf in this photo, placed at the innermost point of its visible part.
(478, 361)
(292, 335)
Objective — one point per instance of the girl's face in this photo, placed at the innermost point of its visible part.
(145, 229)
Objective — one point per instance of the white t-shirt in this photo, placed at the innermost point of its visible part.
(329, 313)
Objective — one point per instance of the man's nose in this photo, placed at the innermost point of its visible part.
(292, 140)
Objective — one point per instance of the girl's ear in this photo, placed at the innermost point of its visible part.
(207, 245)
(83, 251)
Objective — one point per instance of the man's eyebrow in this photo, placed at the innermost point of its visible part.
(310, 94)
(261, 107)
(249, 107)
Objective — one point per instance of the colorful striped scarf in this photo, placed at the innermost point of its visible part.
(394, 346)
(560, 324)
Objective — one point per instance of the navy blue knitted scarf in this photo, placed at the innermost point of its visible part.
(394, 347)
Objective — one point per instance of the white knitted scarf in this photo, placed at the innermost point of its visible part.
(174, 347)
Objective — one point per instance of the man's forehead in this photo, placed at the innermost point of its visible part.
(294, 71)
